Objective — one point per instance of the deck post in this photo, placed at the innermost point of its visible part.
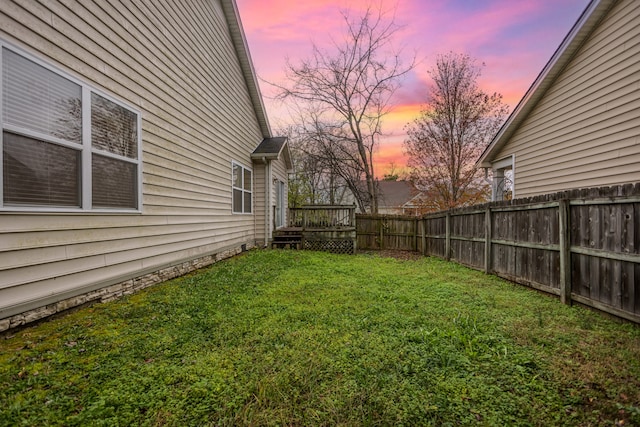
(352, 215)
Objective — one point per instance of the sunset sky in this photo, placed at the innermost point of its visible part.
(513, 38)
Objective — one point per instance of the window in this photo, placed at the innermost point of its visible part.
(64, 146)
(241, 187)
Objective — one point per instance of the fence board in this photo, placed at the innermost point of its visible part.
(386, 231)
(636, 292)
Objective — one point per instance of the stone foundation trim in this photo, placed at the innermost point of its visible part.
(115, 291)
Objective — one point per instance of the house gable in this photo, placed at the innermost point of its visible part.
(242, 48)
(578, 126)
(394, 195)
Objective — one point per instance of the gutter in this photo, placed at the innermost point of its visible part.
(267, 200)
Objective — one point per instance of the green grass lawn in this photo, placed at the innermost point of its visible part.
(303, 338)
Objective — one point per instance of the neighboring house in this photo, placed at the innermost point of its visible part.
(398, 198)
(394, 198)
(578, 125)
(135, 147)
(422, 203)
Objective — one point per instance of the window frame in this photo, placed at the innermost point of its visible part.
(85, 148)
(243, 191)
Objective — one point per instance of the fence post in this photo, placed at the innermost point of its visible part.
(424, 236)
(487, 240)
(381, 224)
(447, 244)
(352, 215)
(565, 250)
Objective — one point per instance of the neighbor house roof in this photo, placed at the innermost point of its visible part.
(273, 149)
(230, 9)
(588, 21)
(395, 193)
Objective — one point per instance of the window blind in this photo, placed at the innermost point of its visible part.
(37, 99)
(114, 183)
(39, 173)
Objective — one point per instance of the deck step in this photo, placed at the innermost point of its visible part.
(286, 244)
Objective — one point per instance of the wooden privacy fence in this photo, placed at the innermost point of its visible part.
(387, 232)
(581, 245)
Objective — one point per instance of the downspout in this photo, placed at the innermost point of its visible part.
(267, 200)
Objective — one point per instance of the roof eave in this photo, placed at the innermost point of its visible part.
(239, 39)
(584, 26)
(266, 156)
(283, 153)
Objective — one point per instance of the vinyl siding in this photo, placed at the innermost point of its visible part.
(585, 131)
(175, 62)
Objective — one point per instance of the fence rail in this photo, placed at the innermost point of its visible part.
(581, 245)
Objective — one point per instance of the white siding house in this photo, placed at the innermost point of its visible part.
(127, 137)
(578, 126)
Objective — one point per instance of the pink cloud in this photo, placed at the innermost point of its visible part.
(513, 38)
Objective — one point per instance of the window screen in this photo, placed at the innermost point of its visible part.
(113, 128)
(114, 183)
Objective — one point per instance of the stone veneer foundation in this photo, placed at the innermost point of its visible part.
(115, 291)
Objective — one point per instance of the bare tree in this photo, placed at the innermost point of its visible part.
(327, 146)
(311, 181)
(395, 173)
(349, 89)
(453, 129)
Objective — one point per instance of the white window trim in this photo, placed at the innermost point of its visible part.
(233, 164)
(86, 149)
(505, 163)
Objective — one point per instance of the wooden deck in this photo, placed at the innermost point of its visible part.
(318, 227)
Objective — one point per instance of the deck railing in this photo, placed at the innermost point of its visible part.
(322, 216)
(329, 228)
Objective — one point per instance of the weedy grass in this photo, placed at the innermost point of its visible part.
(303, 338)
